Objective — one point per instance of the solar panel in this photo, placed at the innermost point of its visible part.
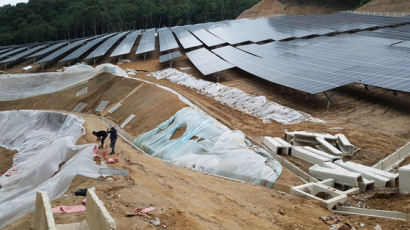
(106, 46)
(48, 49)
(169, 56)
(83, 49)
(12, 51)
(22, 54)
(186, 39)
(147, 43)
(166, 40)
(207, 38)
(207, 62)
(5, 50)
(126, 45)
(64, 50)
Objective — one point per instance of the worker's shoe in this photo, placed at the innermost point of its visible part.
(112, 153)
(100, 147)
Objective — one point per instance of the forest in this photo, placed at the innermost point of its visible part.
(45, 20)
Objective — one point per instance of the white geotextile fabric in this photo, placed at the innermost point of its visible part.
(257, 106)
(43, 140)
(18, 86)
(208, 146)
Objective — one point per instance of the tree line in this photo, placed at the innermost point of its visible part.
(45, 20)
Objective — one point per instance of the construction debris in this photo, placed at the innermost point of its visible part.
(404, 179)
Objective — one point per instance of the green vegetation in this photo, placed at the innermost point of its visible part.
(43, 20)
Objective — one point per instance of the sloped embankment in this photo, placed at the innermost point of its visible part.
(386, 6)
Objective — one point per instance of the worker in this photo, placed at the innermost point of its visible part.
(113, 137)
(101, 135)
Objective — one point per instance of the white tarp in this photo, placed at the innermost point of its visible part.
(257, 106)
(18, 86)
(43, 140)
(208, 146)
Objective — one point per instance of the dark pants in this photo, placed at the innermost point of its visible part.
(102, 141)
(112, 145)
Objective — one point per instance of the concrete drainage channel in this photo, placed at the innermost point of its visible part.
(339, 178)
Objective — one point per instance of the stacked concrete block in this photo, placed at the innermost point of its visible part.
(327, 147)
(344, 145)
(404, 179)
(277, 145)
(308, 156)
(340, 176)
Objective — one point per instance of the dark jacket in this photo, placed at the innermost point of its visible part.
(101, 134)
(113, 133)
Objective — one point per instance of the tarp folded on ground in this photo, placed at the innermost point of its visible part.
(208, 146)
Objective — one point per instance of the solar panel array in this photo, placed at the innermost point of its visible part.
(205, 36)
(22, 54)
(207, 62)
(126, 45)
(12, 52)
(166, 40)
(169, 56)
(102, 49)
(147, 43)
(186, 39)
(48, 49)
(83, 49)
(63, 50)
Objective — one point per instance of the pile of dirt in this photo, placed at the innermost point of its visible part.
(278, 7)
(6, 159)
(386, 6)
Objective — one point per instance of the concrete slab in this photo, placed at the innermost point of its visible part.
(372, 212)
(43, 214)
(97, 215)
(341, 177)
(324, 154)
(394, 177)
(277, 145)
(308, 156)
(344, 145)
(78, 108)
(102, 106)
(82, 92)
(113, 172)
(115, 107)
(129, 118)
(393, 160)
(404, 179)
(327, 147)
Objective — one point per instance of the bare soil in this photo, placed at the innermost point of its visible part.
(6, 159)
(279, 7)
(186, 199)
(386, 6)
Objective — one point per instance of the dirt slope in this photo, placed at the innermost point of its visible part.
(386, 6)
(275, 7)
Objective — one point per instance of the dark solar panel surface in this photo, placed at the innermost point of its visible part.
(23, 54)
(147, 42)
(63, 50)
(205, 36)
(207, 62)
(169, 56)
(12, 52)
(186, 39)
(126, 45)
(83, 49)
(48, 49)
(102, 49)
(166, 40)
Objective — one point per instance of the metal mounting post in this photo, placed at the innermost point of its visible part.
(329, 99)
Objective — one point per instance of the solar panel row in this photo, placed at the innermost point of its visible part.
(48, 49)
(22, 54)
(126, 45)
(207, 62)
(54, 55)
(12, 52)
(147, 43)
(166, 40)
(83, 49)
(205, 36)
(169, 56)
(186, 39)
(102, 49)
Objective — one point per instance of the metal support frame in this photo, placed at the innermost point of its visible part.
(329, 98)
(395, 94)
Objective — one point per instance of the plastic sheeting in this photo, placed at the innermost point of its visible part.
(18, 86)
(43, 140)
(256, 106)
(208, 146)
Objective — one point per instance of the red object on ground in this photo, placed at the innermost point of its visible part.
(95, 149)
(111, 161)
(69, 209)
(147, 210)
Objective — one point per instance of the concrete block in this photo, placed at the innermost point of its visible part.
(394, 177)
(344, 145)
(96, 214)
(394, 159)
(115, 107)
(344, 210)
(324, 154)
(308, 156)
(277, 145)
(379, 181)
(308, 137)
(79, 107)
(328, 195)
(82, 92)
(341, 177)
(404, 179)
(43, 215)
(129, 118)
(102, 106)
(327, 147)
